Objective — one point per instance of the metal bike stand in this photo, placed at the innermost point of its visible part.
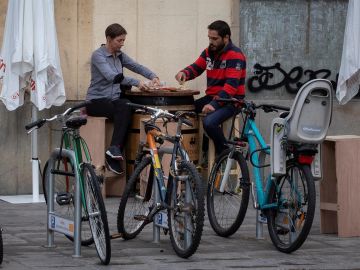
(259, 226)
(259, 220)
(51, 215)
(156, 228)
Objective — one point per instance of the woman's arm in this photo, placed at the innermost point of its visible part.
(132, 65)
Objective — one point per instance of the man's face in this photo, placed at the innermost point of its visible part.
(216, 42)
(117, 43)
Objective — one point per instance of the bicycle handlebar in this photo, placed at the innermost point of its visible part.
(244, 104)
(272, 107)
(40, 122)
(80, 105)
(156, 113)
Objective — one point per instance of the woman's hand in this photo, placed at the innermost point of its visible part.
(156, 81)
(143, 86)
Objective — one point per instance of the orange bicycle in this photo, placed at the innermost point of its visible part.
(182, 196)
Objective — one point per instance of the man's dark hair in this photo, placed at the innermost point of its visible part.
(114, 30)
(221, 27)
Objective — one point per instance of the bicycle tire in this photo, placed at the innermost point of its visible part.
(227, 210)
(66, 184)
(1, 247)
(134, 207)
(292, 219)
(97, 213)
(183, 209)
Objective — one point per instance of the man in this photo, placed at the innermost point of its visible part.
(225, 66)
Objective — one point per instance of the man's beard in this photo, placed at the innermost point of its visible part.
(216, 49)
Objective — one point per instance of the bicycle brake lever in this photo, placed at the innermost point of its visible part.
(31, 130)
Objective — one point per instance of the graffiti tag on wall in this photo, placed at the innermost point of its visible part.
(292, 80)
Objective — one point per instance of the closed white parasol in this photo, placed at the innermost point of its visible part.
(29, 61)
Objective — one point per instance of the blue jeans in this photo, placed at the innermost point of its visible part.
(213, 120)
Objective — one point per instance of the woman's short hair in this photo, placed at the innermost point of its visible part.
(114, 30)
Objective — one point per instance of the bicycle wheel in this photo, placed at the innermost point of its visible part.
(97, 213)
(1, 247)
(186, 212)
(136, 201)
(227, 209)
(65, 186)
(289, 224)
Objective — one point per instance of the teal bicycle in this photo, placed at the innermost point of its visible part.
(94, 223)
(287, 197)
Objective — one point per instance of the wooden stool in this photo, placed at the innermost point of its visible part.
(97, 133)
(339, 188)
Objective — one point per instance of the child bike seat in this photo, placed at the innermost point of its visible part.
(310, 115)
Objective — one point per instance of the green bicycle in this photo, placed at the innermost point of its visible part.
(94, 223)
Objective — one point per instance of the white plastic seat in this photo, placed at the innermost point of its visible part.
(307, 122)
(310, 114)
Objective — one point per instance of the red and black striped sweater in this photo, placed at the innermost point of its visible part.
(225, 71)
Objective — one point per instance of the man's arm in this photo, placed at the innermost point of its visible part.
(195, 69)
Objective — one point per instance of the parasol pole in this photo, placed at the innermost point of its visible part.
(34, 157)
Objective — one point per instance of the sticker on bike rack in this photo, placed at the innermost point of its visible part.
(161, 219)
(61, 225)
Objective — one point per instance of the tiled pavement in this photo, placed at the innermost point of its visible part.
(24, 237)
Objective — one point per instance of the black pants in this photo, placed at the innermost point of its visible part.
(116, 111)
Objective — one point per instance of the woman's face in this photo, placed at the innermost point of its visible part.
(115, 44)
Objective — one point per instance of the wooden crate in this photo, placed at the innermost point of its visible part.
(340, 187)
(97, 134)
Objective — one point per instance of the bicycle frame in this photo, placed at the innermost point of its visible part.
(253, 135)
(72, 140)
(156, 163)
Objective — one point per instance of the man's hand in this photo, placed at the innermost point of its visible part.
(180, 77)
(208, 108)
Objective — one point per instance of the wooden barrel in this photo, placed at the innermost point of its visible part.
(172, 101)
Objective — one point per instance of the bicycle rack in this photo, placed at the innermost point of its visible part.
(56, 223)
(260, 220)
(156, 226)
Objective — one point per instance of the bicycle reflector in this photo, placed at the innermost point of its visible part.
(305, 159)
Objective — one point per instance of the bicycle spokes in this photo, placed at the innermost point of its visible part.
(290, 223)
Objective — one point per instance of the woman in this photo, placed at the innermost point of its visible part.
(107, 87)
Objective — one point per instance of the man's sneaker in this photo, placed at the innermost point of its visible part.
(114, 165)
(114, 152)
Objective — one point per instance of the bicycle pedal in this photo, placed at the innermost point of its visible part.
(116, 235)
(63, 198)
(100, 179)
(140, 218)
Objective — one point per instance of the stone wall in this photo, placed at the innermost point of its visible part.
(295, 33)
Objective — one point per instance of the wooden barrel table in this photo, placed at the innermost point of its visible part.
(173, 101)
